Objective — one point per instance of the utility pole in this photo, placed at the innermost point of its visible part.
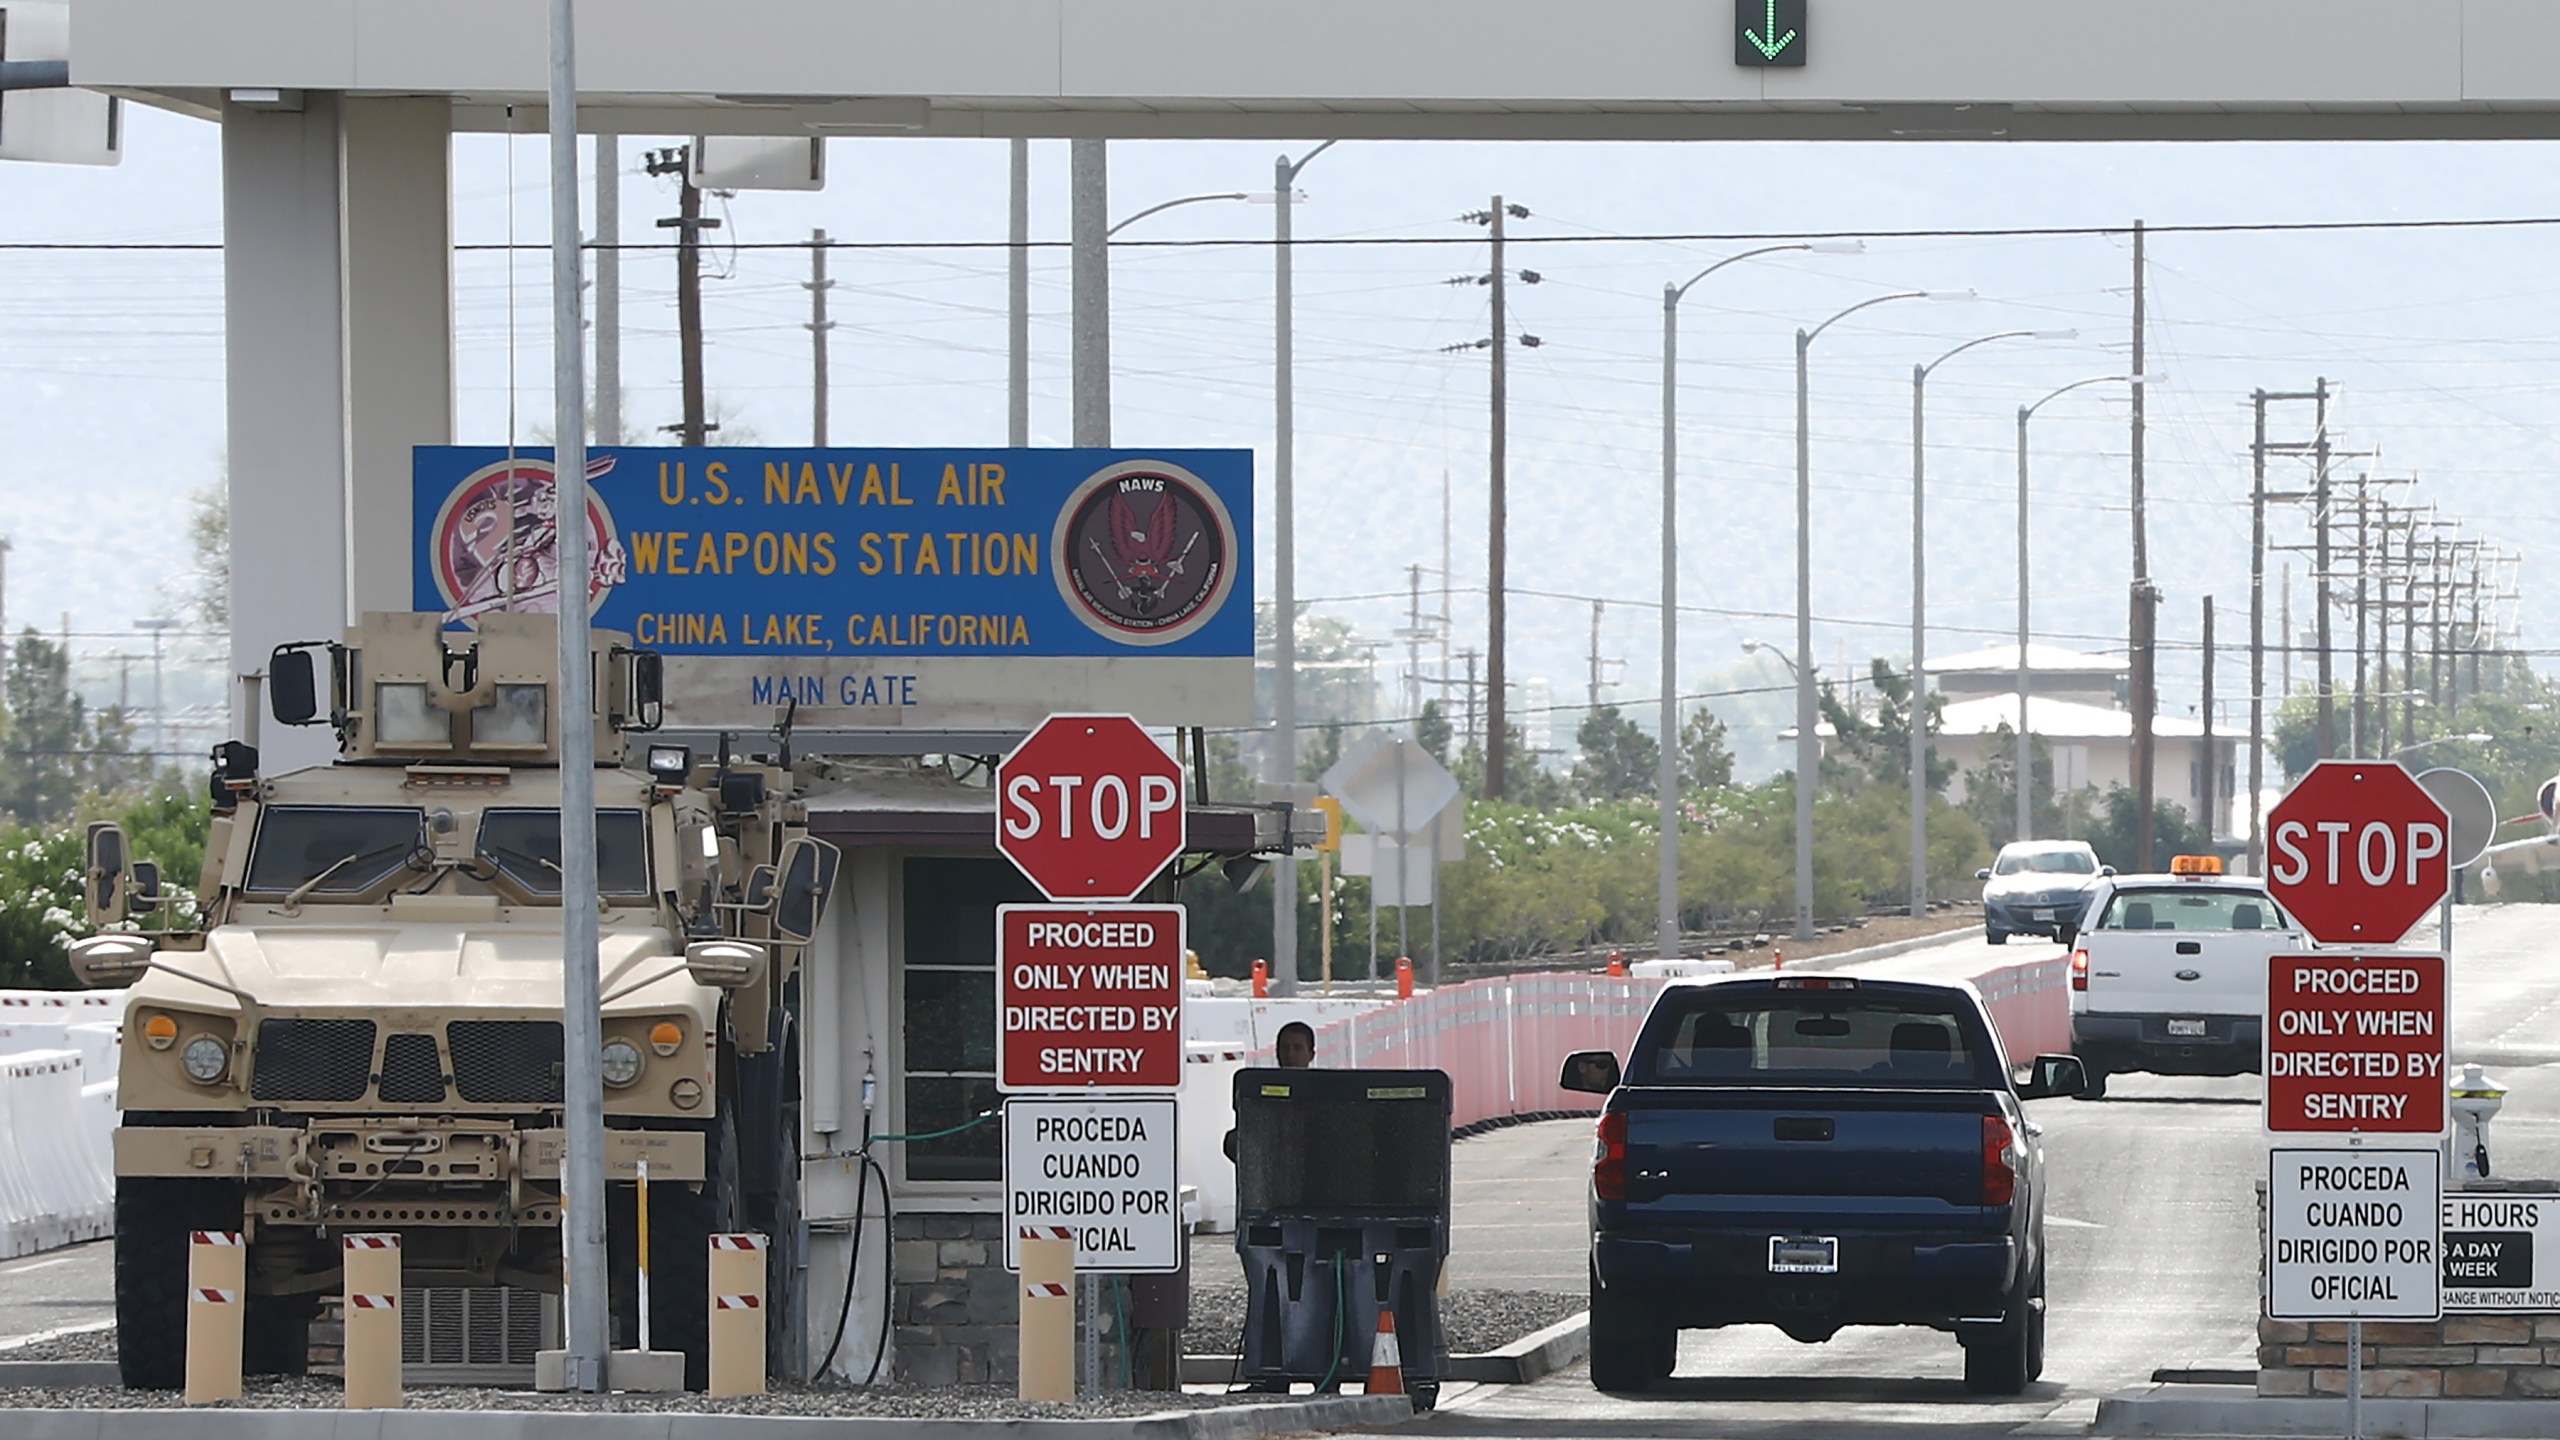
(688, 225)
(2409, 635)
(818, 285)
(2284, 621)
(2257, 622)
(1017, 270)
(2327, 694)
(1591, 688)
(1471, 701)
(608, 243)
(2145, 602)
(2364, 537)
(1413, 637)
(1497, 740)
(2209, 769)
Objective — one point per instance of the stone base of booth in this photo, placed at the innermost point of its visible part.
(957, 1310)
(2461, 1357)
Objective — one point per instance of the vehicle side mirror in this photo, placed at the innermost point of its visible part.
(110, 875)
(724, 964)
(2107, 870)
(1981, 874)
(1594, 1072)
(110, 962)
(2066, 934)
(2052, 1075)
(145, 896)
(293, 686)
(808, 870)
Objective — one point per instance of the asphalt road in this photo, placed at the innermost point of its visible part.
(2151, 1224)
(57, 1290)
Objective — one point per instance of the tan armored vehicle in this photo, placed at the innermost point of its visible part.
(365, 1035)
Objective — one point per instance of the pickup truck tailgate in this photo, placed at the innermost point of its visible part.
(2142, 973)
(1727, 1150)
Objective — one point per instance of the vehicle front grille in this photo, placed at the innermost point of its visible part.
(315, 1059)
(412, 1073)
(506, 1062)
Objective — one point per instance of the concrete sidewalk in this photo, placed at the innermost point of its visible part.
(2228, 1410)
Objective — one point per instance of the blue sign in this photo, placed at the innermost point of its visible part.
(873, 554)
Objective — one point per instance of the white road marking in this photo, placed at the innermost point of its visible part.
(35, 1265)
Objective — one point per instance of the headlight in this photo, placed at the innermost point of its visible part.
(621, 1062)
(205, 1058)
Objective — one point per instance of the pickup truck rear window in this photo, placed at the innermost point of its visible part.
(1797, 1037)
(2191, 907)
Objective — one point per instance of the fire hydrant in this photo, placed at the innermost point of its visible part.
(2476, 1098)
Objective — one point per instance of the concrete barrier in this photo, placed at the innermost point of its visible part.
(57, 1117)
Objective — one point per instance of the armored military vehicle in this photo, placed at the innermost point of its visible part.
(364, 1033)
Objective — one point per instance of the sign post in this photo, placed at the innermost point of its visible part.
(1089, 1008)
(2354, 1046)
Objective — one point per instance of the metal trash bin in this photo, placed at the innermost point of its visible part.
(1342, 1208)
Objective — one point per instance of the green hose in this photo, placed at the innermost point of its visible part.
(1325, 1385)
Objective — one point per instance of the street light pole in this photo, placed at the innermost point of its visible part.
(1808, 749)
(2026, 775)
(1667, 781)
(1284, 545)
(1917, 715)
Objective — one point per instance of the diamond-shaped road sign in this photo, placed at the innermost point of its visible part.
(2358, 852)
(1089, 807)
(1392, 785)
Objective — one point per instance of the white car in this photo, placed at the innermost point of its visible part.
(2169, 974)
(2037, 887)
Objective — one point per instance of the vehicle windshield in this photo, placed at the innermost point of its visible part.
(355, 847)
(2191, 907)
(2047, 862)
(525, 844)
(1791, 1037)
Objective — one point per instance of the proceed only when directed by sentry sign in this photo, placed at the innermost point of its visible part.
(2355, 1043)
(1099, 1172)
(1089, 997)
(2353, 1234)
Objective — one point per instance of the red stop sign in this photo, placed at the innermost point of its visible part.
(1089, 808)
(2357, 852)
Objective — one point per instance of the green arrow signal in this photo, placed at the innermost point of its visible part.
(1769, 49)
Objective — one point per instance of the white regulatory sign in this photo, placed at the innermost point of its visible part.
(2501, 1252)
(1099, 1172)
(2354, 1234)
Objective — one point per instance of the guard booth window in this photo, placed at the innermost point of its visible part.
(950, 1012)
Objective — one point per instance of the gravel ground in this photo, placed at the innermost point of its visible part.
(1474, 1321)
(86, 1345)
(960, 1402)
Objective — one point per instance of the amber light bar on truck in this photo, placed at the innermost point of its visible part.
(2195, 865)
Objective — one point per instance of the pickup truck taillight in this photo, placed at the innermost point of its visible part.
(1999, 1176)
(1609, 1158)
(2079, 969)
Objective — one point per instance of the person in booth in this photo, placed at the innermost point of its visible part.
(1294, 1048)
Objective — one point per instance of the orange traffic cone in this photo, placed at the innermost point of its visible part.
(1386, 1362)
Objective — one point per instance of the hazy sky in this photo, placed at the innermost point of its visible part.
(2442, 341)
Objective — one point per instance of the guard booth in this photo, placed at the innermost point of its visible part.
(1342, 1210)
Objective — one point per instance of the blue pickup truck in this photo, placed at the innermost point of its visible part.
(1814, 1151)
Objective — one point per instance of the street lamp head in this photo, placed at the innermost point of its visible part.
(1948, 295)
(1837, 247)
(2053, 334)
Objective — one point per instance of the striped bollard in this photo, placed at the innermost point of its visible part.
(372, 1293)
(217, 1271)
(737, 1314)
(1048, 1364)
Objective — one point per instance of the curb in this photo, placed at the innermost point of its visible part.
(1524, 1361)
(1313, 1414)
(2201, 1410)
(1885, 951)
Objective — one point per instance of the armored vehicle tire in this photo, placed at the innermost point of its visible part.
(155, 1218)
(278, 1338)
(682, 1221)
(769, 1174)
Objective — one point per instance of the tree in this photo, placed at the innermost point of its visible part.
(48, 732)
(2111, 829)
(1878, 748)
(207, 589)
(1705, 761)
(1991, 792)
(1619, 761)
(1525, 782)
(1432, 730)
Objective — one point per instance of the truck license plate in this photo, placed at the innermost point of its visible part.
(2194, 1028)
(1804, 1255)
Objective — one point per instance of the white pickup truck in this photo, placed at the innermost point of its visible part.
(2170, 974)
